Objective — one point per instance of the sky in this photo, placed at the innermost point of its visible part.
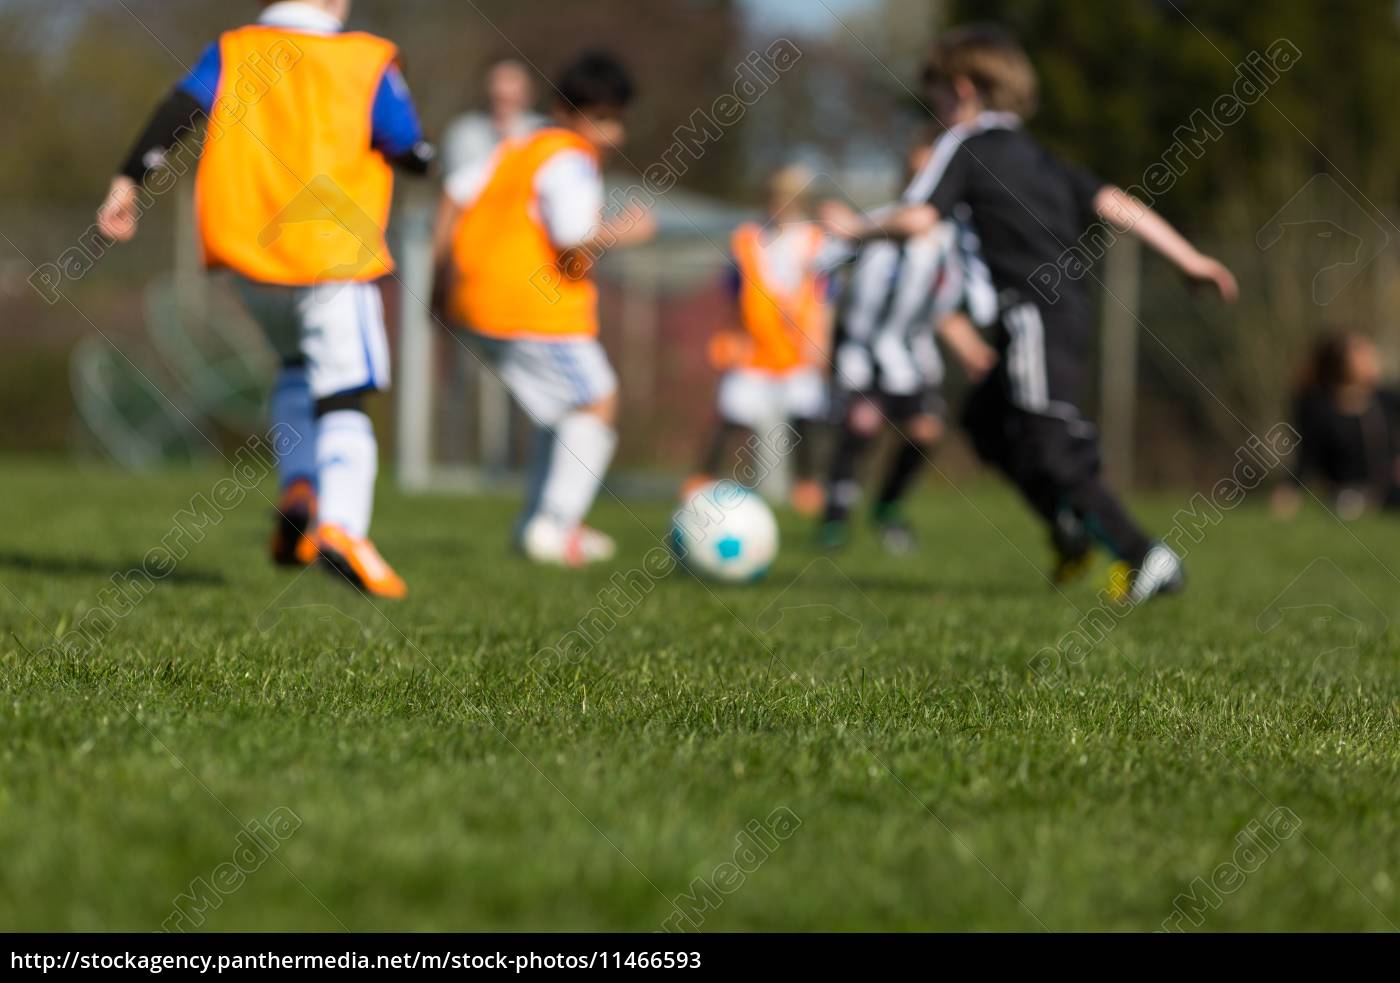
(809, 16)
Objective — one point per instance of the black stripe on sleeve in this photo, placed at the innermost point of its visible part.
(176, 118)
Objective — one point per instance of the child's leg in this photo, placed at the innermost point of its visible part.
(347, 354)
(1008, 437)
(347, 461)
(536, 471)
(1057, 466)
(505, 360)
(292, 423)
(1063, 453)
(920, 434)
(293, 419)
(584, 442)
(746, 403)
(1107, 520)
(291, 410)
(294, 434)
(992, 424)
(1072, 458)
(727, 437)
(862, 424)
(806, 407)
(919, 428)
(569, 391)
(843, 482)
(806, 432)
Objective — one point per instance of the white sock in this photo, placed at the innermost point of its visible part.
(583, 449)
(293, 432)
(347, 458)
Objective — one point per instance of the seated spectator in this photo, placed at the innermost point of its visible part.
(1350, 429)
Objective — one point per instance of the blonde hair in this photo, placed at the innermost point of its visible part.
(789, 189)
(790, 181)
(993, 61)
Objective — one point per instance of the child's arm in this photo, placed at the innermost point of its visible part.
(448, 215)
(395, 129)
(1127, 214)
(730, 345)
(180, 115)
(904, 222)
(976, 357)
(633, 226)
(120, 213)
(176, 119)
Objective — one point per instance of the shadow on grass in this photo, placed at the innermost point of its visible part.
(910, 586)
(71, 566)
(1033, 587)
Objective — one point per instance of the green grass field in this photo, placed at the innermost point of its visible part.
(429, 772)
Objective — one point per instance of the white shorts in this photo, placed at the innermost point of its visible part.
(335, 329)
(892, 366)
(757, 399)
(549, 379)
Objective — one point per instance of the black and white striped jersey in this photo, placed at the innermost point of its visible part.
(894, 295)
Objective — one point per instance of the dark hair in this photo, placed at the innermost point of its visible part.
(595, 80)
(1328, 366)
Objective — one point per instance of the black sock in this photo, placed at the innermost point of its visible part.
(726, 435)
(904, 469)
(804, 451)
(1109, 522)
(843, 488)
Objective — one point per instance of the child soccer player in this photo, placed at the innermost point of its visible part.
(888, 367)
(1028, 208)
(516, 237)
(773, 369)
(303, 121)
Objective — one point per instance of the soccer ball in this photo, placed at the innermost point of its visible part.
(725, 532)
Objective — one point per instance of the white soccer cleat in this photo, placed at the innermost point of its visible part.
(548, 541)
(1161, 574)
(597, 547)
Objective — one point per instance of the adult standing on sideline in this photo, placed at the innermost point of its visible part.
(510, 97)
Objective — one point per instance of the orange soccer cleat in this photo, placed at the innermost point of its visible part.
(291, 544)
(359, 562)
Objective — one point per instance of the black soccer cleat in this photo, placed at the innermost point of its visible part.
(291, 545)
